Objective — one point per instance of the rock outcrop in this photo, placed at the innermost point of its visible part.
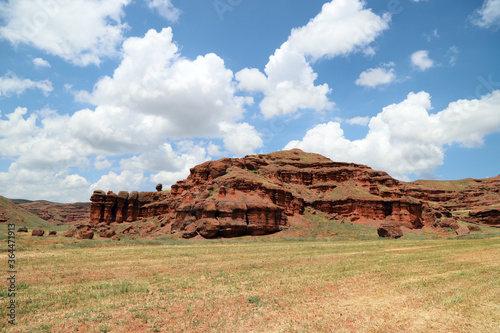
(257, 195)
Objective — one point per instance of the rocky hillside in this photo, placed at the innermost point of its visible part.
(12, 213)
(57, 213)
(263, 194)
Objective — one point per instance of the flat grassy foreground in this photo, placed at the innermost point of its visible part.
(256, 285)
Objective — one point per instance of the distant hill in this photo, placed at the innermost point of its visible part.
(56, 213)
(12, 213)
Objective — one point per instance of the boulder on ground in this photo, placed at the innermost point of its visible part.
(37, 232)
(115, 237)
(129, 230)
(190, 232)
(208, 227)
(159, 187)
(107, 233)
(447, 223)
(52, 233)
(474, 227)
(84, 234)
(3, 218)
(389, 231)
(70, 233)
(22, 229)
(462, 231)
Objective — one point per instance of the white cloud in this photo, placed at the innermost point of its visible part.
(453, 55)
(25, 183)
(56, 27)
(488, 16)
(156, 91)
(241, 139)
(101, 163)
(125, 181)
(39, 62)
(374, 77)
(341, 28)
(12, 84)
(170, 164)
(166, 9)
(50, 146)
(362, 121)
(421, 60)
(154, 96)
(405, 138)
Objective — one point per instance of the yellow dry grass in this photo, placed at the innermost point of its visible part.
(265, 286)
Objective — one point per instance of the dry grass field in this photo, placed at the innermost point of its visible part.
(256, 285)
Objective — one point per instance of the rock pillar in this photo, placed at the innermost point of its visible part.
(132, 206)
(121, 206)
(97, 207)
(110, 208)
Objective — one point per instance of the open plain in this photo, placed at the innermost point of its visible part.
(419, 283)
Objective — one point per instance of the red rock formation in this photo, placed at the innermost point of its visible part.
(97, 207)
(487, 216)
(110, 208)
(257, 194)
(132, 206)
(121, 206)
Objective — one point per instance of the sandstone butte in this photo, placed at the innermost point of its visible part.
(263, 194)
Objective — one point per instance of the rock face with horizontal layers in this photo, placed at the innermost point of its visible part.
(257, 195)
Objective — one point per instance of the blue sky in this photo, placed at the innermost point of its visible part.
(125, 94)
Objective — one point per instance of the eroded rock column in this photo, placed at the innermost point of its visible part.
(97, 207)
(132, 206)
(121, 206)
(110, 208)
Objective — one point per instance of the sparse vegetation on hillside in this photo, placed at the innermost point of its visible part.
(21, 217)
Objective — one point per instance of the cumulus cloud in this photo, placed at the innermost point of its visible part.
(170, 164)
(124, 181)
(405, 138)
(341, 28)
(39, 62)
(421, 60)
(156, 91)
(374, 77)
(56, 27)
(12, 84)
(488, 16)
(25, 183)
(241, 139)
(166, 9)
(154, 96)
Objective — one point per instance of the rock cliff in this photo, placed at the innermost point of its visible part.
(257, 195)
